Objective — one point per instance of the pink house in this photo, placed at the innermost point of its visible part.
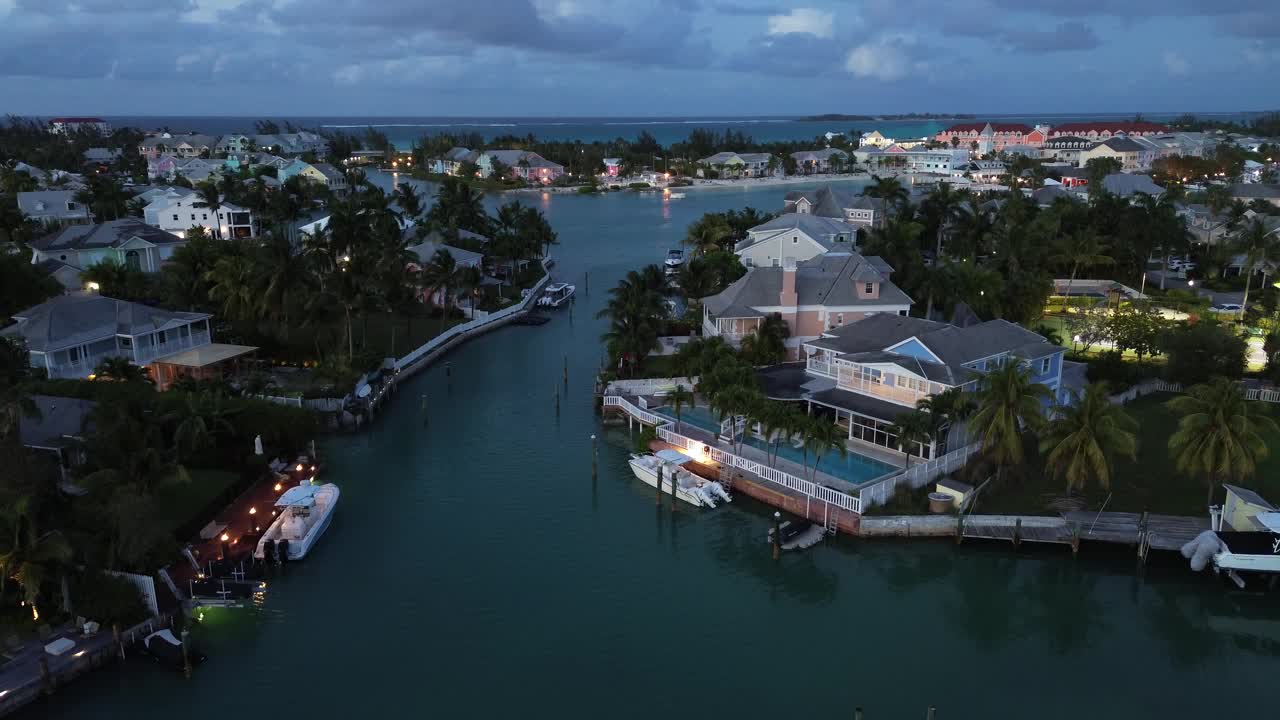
(990, 137)
(812, 296)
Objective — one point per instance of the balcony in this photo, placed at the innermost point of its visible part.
(901, 396)
(84, 367)
(820, 365)
(145, 354)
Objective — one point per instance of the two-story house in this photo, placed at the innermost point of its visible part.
(528, 166)
(453, 160)
(813, 296)
(794, 237)
(1132, 156)
(180, 209)
(869, 372)
(70, 335)
(53, 207)
(128, 241)
(319, 173)
(857, 210)
(818, 161)
(732, 164)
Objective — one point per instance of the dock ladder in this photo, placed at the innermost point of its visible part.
(830, 522)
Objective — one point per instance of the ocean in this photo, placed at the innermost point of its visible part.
(403, 131)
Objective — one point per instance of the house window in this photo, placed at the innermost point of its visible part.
(795, 239)
(1045, 363)
(775, 261)
(193, 217)
(748, 262)
(175, 217)
(869, 288)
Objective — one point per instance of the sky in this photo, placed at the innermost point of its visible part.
(520, 58)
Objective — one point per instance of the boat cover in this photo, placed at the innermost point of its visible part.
(300, 496)
(1270, 520)
(673, 456)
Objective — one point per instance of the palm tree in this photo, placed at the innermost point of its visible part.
(946, 409)
(15, 372)
(822, 436)
(773, 419)
(408, 199)
(210, 197)
(890, 190)
(233, 284)
(458, 207)
(30, 557)
(1220, 434)
(120, 370)
(913, 428)
(942, 206)
(441, 274)
(1050, 333)
(1008, 402)
(1081, 248)
(708, 233)
(1083, 437)
(285, 278)
(199, 420)
(680, 398)
(469, 281)
(733, 402)
(1261, 250)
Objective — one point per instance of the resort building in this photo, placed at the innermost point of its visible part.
(869, 372)
(68, 125)
(985, 137)
(180, 209)
(732, 164)
(874, 139)
(1133, 157)
(53, 207)
(812, 296)
(1097, 131)
(860, 211)
(794, 237)
(1065, 149)
(528, 166)
(128, 241)
(818, 161)
(938, 161)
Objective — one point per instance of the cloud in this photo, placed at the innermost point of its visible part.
(1066, 36)
(886, 59)
(803, 21)
(1174, 63)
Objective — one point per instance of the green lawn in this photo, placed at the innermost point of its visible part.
(179, 505)
(1149, 483)
(377, 334)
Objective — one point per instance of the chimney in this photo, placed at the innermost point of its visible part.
(788, 297)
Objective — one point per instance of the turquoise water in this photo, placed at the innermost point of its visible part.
(852, 467)
(474, 569)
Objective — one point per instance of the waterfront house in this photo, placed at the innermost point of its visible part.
(1098, 131)
(874, 139)
(612, 167)
(179, 209)
(794, 237)
(426, 249)
(128, 241)
(985, 137)
(452, 161)
(296, 143)
(70, 335)
(318, 173)
(53, 207)
(812, 296)
(528, 166)
(869, 372)
(860, 211)
(817, 161)
(732, 164)
(937, 161)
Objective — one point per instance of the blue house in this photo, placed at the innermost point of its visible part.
(871, 371)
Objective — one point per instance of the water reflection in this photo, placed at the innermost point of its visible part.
(741, 545)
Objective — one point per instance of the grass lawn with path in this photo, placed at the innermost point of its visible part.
(179, 504)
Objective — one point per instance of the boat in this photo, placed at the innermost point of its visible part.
(675, 258)
(305, 512)
(166, 649)
(676, 195)
(556, 294)
(689, 487)
(798, 534)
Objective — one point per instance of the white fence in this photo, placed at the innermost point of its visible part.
(448, 335)
(1262, 394)
(916, 476)
(1146, 387)
(281, 400)
(146, 588)
(821, 493)
(649, 386)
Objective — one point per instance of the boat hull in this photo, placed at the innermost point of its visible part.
(299, 549)
(650, 478)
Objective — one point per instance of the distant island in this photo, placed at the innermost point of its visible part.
(908, 116)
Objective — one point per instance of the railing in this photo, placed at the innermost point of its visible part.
(820, 367)
(1262, 394)
(649, 386)
(902, 396)
(280, 400)
(448, 335)
(83, 368)
(916, 476)
(144, 354)
(820, 493)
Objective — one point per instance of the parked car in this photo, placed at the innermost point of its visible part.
(1227, 308)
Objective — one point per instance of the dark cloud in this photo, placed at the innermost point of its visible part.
(1065, 37)
(791, 54)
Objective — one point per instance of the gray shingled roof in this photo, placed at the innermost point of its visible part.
(1125, 185)
(1255, 190)
(822, 229)
(1121, 144)
(103, 235)
(831, 203)
(823, 280)
(70, 320)
(51, 204)
(330, 173)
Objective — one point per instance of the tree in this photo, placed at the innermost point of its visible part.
(115, 279)
(1081, 248)
(1220, 435)
(732, 402)
(889, 189)
(1084, 436)
(1138, 329)
(285, 278)
(709, 233)
(23, 285)
(1201, 350)
(441, 274)
(458, 207)
(15, 375)
(469, 281)
(946, 409)
(1050, 333)
(942, 206)
(912, 428)
(767, 344)
(184, 277)
(636, 311)
(210, 197)
(233, 284)
(680, 398)
(1097, 169)
(820, 437)
(408, 199)
(1008, 402)
(198, 421)
(121, 370)
(1261, 249)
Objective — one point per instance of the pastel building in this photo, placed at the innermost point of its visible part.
(988, 137)
(867, 373)
(860, 211)
(128, 241)
(1096, 131)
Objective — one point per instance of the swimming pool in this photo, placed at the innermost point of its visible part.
(698, 416)
(853, 467)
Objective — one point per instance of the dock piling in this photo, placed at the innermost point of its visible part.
(673, 491)
(586, 284)
(1017, 532)
(566, 372)
(857, 713)
(593, 457)
(115, 635)
(658, 495)
(556, 391)
(928, 715)
(186, 658)
(777, 535)
(424, 410)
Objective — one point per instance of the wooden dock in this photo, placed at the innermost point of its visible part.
(1145, 530)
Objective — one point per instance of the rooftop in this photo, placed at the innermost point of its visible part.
(69, 320)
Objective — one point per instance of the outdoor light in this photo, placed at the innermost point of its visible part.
(225, 537)
(253, 511)
(1191, 283)
(299, 468)
(78, 654)
(279, 487)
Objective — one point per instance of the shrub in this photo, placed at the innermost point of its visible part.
(639, 186)
(107, 599)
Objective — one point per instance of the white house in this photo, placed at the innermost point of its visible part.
(180, 209)
(53, 207)
(739, 164)
(794, 237)
(874, 139)
(68, 125)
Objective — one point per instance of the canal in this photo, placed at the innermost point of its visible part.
(474, 569)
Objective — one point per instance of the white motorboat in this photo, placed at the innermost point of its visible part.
(675, 258)
(690, 488)
(676, 195)
(556, 294)
(304, 515)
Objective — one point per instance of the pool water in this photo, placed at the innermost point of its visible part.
(853, 467)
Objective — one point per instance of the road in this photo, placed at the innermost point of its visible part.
(1176, 281)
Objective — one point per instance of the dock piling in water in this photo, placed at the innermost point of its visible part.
(658, 496)
(593, 457)
(777, 535)
(857, 713)
(186, 657)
